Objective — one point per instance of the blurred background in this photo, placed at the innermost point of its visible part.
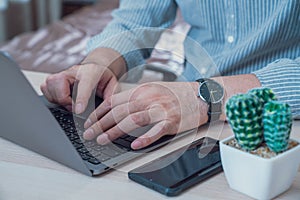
(51, 35)
(18, 16)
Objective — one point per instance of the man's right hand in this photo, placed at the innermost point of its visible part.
(92, 73)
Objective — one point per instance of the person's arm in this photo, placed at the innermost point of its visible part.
(172, 108)
(107, 57)
(123, 44)
(99, 70)
(283, 77)
(134, 31)
(175, 107)
(236, 85)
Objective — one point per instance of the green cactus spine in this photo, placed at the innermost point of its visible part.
(277, 123)
(263, 94)
(244, 113)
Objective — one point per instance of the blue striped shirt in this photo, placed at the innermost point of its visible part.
(227, 37)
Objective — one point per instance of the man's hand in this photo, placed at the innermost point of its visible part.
(57, 87)
(171, 107)
(98, 71)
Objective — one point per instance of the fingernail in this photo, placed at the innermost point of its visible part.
(69, 108)
(136, 144)
(79, 108)
(88, 123)
(89, 134)
(103, 139)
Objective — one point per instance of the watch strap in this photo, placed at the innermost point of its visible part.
(202, 80)
(214, 112)
(214, 109)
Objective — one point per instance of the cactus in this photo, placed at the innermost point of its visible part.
(257, 116)
(277, 123)
(263, 94)
(244, 113)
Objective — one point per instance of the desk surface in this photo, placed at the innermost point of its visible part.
(27, 175)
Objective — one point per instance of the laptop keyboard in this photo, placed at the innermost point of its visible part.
(90, 151)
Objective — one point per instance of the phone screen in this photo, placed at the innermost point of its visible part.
(182, 168)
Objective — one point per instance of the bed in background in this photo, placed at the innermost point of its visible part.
(62, 43)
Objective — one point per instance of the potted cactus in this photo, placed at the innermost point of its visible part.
(260, 160)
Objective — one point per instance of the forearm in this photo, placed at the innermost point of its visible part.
(283, 77)
(108, 58)
(235, 85)
(133, 33)
(232, 85)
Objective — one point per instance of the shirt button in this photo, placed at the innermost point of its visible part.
(230, 39)
(203, 71)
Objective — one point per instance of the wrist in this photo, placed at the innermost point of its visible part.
(108, 58)
(203, 107)
(236, 85)
(212, 93)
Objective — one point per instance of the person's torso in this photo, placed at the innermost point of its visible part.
(240, 36)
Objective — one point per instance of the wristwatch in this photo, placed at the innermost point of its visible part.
(212, 93)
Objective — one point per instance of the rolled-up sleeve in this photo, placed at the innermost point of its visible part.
(283, 77)
(134, 30)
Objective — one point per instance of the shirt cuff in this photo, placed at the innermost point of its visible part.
(282, 76)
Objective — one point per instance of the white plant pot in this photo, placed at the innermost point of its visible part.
(257, 177)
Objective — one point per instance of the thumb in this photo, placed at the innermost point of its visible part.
(112, 87)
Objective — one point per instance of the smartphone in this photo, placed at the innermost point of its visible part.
(179, 170)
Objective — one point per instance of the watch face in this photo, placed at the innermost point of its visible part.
(211, 91)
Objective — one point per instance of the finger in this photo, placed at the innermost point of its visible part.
(112, 87)
(100, 111)
(58, 88)
(105, 123)
(106, 106)
(87, 81)
(108, 123)
(108, 113)
(93, 131)
(106, 84)
(46, 93)
(50, 99)
(127, 125)
(111, 118)
(69, 108)
(130, 123)
(98, 127)
(160, 129)
(84, 92)
(89, 78)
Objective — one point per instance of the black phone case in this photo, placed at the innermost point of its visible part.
(180, 186)
(185, 184)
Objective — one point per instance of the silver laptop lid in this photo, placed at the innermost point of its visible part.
(25, 120)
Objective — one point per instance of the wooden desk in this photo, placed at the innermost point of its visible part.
(26, 175)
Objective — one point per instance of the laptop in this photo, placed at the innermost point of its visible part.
(48, 129)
